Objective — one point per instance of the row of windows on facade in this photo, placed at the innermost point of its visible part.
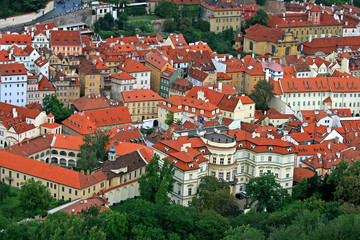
(67, 88)
(226, 20)
(70, 94)
(68, 48)
(319, 103)
(223, 28)
(37, 95)
(17, 100)
(143, 111)
(18, 93)
(335, 95)
(134, 104)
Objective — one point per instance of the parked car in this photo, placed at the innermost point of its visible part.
(241, 195)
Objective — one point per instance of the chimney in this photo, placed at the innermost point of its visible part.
(220, 87)
(14, 112)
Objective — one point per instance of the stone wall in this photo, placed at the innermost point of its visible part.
(81, 16)
(27, 17)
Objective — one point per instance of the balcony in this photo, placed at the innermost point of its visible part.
(233, 182)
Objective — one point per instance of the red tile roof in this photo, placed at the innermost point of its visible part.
(65, 38)
(18, 39)
(68, 142)
(301, 173)
(131, 66)
(49, 172)
(12, 69)
(140, 95)
(93, 101)
(6, 112)
(261, 33)
(157, 60)
(329, 45)
(122, 76)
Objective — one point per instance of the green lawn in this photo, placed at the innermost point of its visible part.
(143, 18)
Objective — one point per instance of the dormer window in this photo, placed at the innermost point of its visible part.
(167, 149)
(191, 165)
(253, 145)
(240, 145)
(288, 149)
(193, 109)
(270, 148)
(179, 107)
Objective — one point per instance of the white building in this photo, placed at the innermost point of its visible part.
(13, 86)
(272, 70)
(320, 93)
(138, 71)
(233, 156)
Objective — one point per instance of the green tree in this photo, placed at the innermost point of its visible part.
(215, 195)
(260, 17)
(4, 191)
(52, 105)
(211, 226)
(169, 25)
(169, 118)
(93, 150)
(167, 9)
(261, 2)
(262, 95)
(244, 232)
(35, 198)
(267, 192)
(348, 189)
(157, 182)
(203, 25)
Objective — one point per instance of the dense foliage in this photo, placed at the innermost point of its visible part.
(167, 9)
(4, 191)
(215, 195)
(11, 8)
(260, 17)
(93, 150)
(157, 182)
(262, 94)
(267, 192)
(53, 105)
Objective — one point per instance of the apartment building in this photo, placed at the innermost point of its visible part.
(222, 15)
(142, 103)
(67, 87)
(63, 183)
(186, 108)
(141, 73)
(13, 86)
(320, 93)
(89, 78)
(233, 156)
(66, 42)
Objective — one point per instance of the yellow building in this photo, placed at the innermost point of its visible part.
(63, 183)
(142, 103)
(264, 40)
(89, 78)
(157, 63)
(67, 87)
(245, 73)
(222, 15)
(314, 23)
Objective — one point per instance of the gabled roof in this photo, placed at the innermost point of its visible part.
(131, 66)
(7, 110)
(18, 39)
(49, 172)
(65, 38)
(140, 95)
(122, 76)
(92, 101)
(157, 60)
(261, 33)
(12, 69)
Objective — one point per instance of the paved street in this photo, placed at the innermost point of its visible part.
(62, 7)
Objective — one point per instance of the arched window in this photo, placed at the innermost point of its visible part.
(63, 153)
(71, 154)
(54, 152)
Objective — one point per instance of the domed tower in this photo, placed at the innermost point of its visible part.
(112, 154)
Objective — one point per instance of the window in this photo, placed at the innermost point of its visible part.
(277, 159)
(229, 160)
(189, 191)
(242, 169)
(69, 190)
(269, 158)
(221, 160)
(63, 189)
(262, 158)
(261, 172)
(287, 175)
(190, 176)
(214, 160)
(221, 176)
(251, 46)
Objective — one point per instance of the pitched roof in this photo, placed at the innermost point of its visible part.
(49, 172)
(31, 146)
(7, 110)
(122, 76)
(261, 33)
(18, 39)
(140, 95)
(12, 69)
(67, 142)
(65, 38)
(157, 60)
(92, 101)
(131, 66)
(301, 173)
